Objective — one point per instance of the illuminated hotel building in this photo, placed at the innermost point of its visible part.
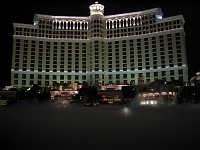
(115, 49)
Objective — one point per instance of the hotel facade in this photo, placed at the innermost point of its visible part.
(112, 49)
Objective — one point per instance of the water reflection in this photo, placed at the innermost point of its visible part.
(62, 103)
(126, 111)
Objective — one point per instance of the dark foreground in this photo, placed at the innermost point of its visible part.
(105, 127)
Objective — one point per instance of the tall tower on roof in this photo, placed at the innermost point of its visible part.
(96, 9)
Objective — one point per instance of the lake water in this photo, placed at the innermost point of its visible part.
(47, 126)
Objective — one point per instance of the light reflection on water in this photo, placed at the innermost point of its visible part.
(126, 111)
(62, 103)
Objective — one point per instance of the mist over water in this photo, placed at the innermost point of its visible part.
(47, 126)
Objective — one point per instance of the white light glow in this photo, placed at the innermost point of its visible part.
(148, 102)
(158, 16)
(126, 111)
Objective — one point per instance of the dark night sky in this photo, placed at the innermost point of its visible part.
(23, 12)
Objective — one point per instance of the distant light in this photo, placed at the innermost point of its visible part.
(148, 102)
(153, 102)
(126, 111)
(36, 22)
(158, 16)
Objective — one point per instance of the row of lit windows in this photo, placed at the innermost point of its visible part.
(139, 31)
(77, 68)
(55, 34)
(110, 33)
(77, 45)
(26, 45)
(147, 18)
(131, 21)
(117, 63)
(117, 76)
(47, 83)
(62, 24)
(109, 45)
(123, 59)
(77, 78)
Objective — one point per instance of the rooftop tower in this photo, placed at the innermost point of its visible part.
(96, 9)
